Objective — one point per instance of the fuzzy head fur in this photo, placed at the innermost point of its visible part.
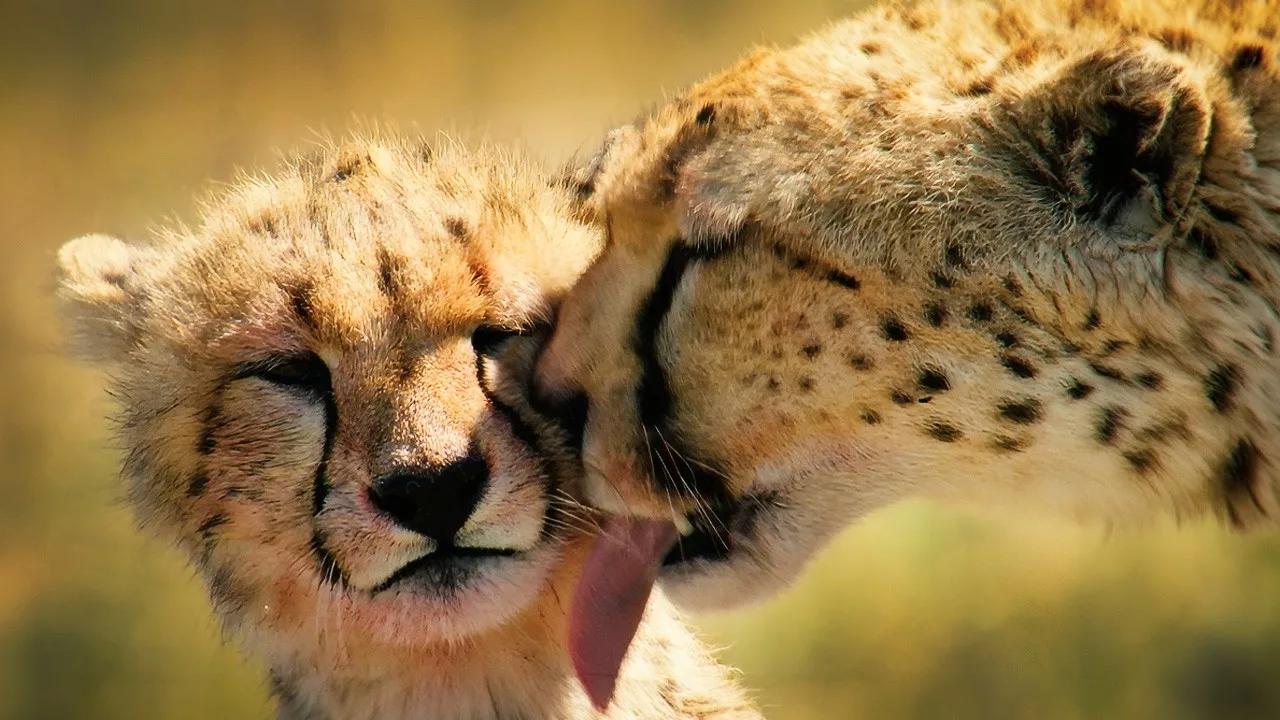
(368, 319)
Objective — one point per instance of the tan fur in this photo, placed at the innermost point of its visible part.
(371, 264)
(999, 252)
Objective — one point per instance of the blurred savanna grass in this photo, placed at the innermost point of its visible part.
(115, 114)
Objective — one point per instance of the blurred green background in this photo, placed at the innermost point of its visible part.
(114, 114)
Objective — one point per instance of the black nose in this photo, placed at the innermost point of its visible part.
(435, 502)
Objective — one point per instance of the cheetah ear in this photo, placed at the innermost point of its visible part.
(100, 294)
(1116, 138)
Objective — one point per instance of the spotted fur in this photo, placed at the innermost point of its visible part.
(370, 312)
(1064, 221)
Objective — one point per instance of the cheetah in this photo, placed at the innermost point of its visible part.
(323, 405)
(990, 252)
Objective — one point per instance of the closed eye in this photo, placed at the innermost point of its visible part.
(487, 340)
(303, 372)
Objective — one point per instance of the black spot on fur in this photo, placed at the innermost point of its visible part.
(935, 314)
(1240, 476)
(900, 397)
(197, 484)
(1018, 366)
(1077, 390)
(844, 279)
(1007, 339)
(1092, 320)
(861, 362)
(839, 320)
(941, 280)
(812, 350)
(1220, 387)
(981, 312)
(1149, 379)
(893, 329)
(1111, 347)
(1201, 242)
(1222, 214)
(1240, 275)
(1110, 422)
(979, 88)
(1012, 285)
(955, 258)
(1023, 412)
(925, 399)
(944, 432)
(300, 298)
(210, 423)
(1248, 57)
(870, 417)
(1108, 372)
(1005, 443)
(705, 115)
(774, 383)
(933, 379)
(1141, 460)
(806, 384)
(389, 274)
(457, 228)
(212, 523)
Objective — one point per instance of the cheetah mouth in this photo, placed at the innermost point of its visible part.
(716, 531)
(447, 569)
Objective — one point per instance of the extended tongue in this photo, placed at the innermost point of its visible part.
(609, 601)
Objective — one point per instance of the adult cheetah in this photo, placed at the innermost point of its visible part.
(322, 404)
(998, 252)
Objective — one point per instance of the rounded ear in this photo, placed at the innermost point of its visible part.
(1116, 138)
(100, 292)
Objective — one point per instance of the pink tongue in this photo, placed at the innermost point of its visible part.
(616, 579)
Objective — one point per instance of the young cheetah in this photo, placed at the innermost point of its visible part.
(321, 403)
(1000, 252)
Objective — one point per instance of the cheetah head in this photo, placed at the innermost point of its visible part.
(320, 390)
(836, 277)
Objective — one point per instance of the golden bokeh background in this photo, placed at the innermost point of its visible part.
(115, 114)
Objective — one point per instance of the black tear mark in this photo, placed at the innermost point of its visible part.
(944, 432)
(1248, 58)
(1110, 422)
(934, 379)
(1023, 412)
(871, 417)
(893, 329)
(1149, 379)
(653, 392)
(935, 314)
(981, 312)
(941, 280)
(1141, 460)
(1220, 387)
(1240, 477)
(1077, 390)
(1018, 366)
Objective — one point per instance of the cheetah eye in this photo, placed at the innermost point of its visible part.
(306, 372)
(487, 339)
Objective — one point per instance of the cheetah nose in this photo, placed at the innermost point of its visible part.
(433, 501)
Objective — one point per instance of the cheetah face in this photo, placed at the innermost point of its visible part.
(823, 292)
(322, 392)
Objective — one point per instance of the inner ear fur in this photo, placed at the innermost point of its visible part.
(100, 292)
(1117, 137)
